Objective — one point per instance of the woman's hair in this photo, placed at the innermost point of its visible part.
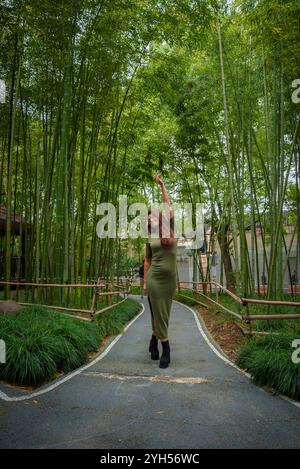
(163, 222)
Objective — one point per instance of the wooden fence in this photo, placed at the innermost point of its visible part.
(245, 303)
(102, 289)
(111, 289)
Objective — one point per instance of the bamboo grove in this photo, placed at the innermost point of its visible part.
(102, 94)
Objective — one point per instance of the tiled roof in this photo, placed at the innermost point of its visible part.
(3, 214)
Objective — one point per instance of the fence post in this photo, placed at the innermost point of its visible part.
(217, 293)
(93, 303)
(97, 288)
(246, 306)
(130, 283)
(110, 296)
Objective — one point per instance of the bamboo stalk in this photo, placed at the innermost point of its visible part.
(196, 301)
(270, 302)
(94, 300)
(269, 317)
(112, 293)
(120, 286)
(246, 306)
(262, 333)
(237, 315)
(235, 297)
(229, 159)
(109, 307)
(67, 285)
(217, 293)
(63, 308)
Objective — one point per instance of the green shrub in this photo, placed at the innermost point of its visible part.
(41, 343)
(269, 360)
(112, 322)
(135, 289)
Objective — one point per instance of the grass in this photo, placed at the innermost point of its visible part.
(187, 301)
(112, 322)
(135, 289)
(269, 360)
(41, 343)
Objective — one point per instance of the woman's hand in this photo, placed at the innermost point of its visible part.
(159, 180)
(165, 196)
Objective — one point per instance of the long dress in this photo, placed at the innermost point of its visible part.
(161, 283)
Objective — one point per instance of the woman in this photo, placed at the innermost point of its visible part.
(160, 278)
(141, 275)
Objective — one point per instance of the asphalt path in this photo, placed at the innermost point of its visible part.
(124, 400)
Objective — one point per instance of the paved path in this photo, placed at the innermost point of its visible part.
(126, 401)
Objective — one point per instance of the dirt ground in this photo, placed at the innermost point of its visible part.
(224, 330)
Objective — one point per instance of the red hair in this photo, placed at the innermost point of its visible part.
(163, 222)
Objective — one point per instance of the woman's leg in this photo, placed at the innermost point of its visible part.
(152, 316)
(161, 312)
(142, 286)
(153, 346)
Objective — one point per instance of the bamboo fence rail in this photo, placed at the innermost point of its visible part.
(245, 303)
(97, 287)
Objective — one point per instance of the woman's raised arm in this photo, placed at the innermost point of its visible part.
(165, 195)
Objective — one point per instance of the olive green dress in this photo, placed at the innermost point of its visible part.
(161, 283)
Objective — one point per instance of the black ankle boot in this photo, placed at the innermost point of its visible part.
(153, 348)
(165, 357)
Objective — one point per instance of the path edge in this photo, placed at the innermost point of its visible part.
(75, 372)
(219, 352)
